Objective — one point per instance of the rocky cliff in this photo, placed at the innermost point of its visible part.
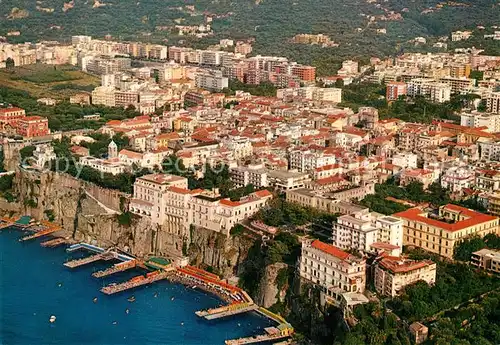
(272, 287)
(90, 213)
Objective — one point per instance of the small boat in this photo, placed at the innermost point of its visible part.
(52, 319)
(172, 298)
(182, 323)
(95, 300)
(59, 285)
(127, 311)
(156, 294)
(194, 286)
(114, 322)
(131, 299)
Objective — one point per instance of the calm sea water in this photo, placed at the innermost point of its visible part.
(30, 276)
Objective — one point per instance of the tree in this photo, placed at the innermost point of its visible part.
(26, 152)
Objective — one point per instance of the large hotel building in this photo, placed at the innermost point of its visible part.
(438, 232)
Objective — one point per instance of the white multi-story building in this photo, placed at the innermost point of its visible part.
(255, 174)
(457, 178)
(405, 160)
(368, 233)
(392, 274)
(493, 102)
(489, 150)
(284, 180)
(240, 147)
(113, 167)
(314, 93)
(211, 80)
(336, 272)
(44, 154)
(477, 119)
(103, 95)
(435, 91)
(307, 161)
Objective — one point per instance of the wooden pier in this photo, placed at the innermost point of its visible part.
(120, 267)
(54, 242)
(90, 259)
(228, 310)
(135, 282)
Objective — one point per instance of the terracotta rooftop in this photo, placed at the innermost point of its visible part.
(473, 218)
(330, 250)
(401, 265)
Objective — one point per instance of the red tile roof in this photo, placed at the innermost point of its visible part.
(263, 193)
(400, 265)
(330, 250)
(474, 218)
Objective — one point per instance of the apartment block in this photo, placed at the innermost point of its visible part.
(493, 103)
(211, 80)
(439, 232)
(476, 119)
(394, 90)
(392, 274)
(367, 232)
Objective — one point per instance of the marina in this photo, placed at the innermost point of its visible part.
(238, 301)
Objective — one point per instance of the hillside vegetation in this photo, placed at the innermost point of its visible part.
(272, 23)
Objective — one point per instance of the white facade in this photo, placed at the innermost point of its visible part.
(476, 119)
(393, 274)
(307, 161)
(240, 147)
(457, 178)
(254, 174)
(435, 91)
(211, 80)
(493, 103)
(103, 165)
(368, 233)
(490, 150)
(44, 154)
(405, 160)
(332, 269)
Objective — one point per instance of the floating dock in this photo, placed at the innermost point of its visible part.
(136, 281)
(54, 242)
(120, 267)
(5, 222)
(90, 259)
(49, 229)
(228, 310)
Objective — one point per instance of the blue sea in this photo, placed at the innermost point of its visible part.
(34, 285)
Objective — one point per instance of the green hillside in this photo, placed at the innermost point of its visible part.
(271, 22)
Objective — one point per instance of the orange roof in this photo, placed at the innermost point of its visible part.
(327, 167)
(179, 190)
(331, 179)
(473, 218)
(10, 109)
(228, 202)
(330, 250)
(131, 154)
(263, 193)
(400, 265)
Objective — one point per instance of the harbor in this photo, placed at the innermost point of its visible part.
(237, 300)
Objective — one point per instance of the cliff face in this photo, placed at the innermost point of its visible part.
(269, 291)
(89, 213)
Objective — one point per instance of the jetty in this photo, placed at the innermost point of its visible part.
(46, 228)
(120, 267)
(137, 281)
(228, 310)
(272, 333)
(54, 242)
(85, 261)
